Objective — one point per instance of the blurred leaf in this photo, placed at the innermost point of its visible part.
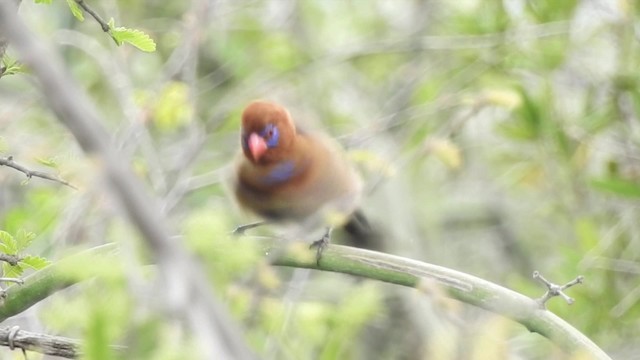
(50, 162)
(8, 243)
(43, 1)
(24, 239)
(550, 10)
(280, 52)
(359, 307)
(12, 67)
(12, 271)
(75, 10)
(587, 234)
(617, 186)
(96, 344)
(372, 161)
(172, 107)
(34, 262)
(445, 150)
(506, 98)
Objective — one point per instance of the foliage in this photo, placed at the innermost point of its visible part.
(495, 138)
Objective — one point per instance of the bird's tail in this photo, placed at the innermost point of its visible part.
(362, 234)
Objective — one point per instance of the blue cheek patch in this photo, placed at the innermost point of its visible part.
(280, 173)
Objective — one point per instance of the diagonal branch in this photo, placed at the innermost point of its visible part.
(187, 293)
(14, 337)
(8, 161)
(95, 15)
(42, 343)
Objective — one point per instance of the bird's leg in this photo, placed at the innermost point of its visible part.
(321, 244)
(239, 231)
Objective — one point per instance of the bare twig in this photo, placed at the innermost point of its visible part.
(13, 280)
(186, 291)
(103, 24)
(64, 347)
(8, 161)
(555, 290)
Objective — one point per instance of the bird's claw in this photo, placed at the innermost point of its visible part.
(321, 245)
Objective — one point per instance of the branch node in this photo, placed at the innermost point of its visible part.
(555, 290)
(10, 259)
(12, 336)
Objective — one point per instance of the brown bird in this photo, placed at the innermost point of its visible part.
(289, 175)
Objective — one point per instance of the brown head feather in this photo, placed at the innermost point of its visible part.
(256, 117)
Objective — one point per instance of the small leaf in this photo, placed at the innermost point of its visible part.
(445, 150)
(134, 37)
(24, 239)
(173, 109)
(34, 262)
(43, 1)
(75, 10)
(11, 66)
(617, 186)
(12, 271)
(9, 242)
(50, 162)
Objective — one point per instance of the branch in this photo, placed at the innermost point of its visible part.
(60, 346)
(45, 344)
(341, 259)
(95, 15)
(55, 277)
(187, 293)
(10, 259)
(459, 286)
(8, 161)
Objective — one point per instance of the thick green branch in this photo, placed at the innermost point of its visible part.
(60, 275)
(460, 286)
(346, 260)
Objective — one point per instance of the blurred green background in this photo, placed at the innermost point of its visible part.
(495, 138)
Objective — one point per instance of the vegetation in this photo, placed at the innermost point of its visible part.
(495, 138)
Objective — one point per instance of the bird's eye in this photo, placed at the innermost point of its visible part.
(271, 135)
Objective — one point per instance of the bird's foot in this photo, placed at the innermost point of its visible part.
(240, 230)
(321, 245)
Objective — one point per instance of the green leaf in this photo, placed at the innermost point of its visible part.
(43, 1)
(50, 162)
(75, 10)
(11, 66)
(12, 271)
(34, 262)
(134, 37)
(10, 246)
(172, 108)
(24, 239)
(617, 186)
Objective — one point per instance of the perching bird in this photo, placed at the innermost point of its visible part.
(288, 175)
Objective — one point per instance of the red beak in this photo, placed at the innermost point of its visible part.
(257, 146)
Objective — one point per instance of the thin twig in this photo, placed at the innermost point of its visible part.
(8, 161)
(555, 290)
(13, 280)
(103, 24)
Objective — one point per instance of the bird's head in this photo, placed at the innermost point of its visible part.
(267, 132)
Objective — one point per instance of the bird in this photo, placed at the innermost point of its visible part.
(289, 175)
